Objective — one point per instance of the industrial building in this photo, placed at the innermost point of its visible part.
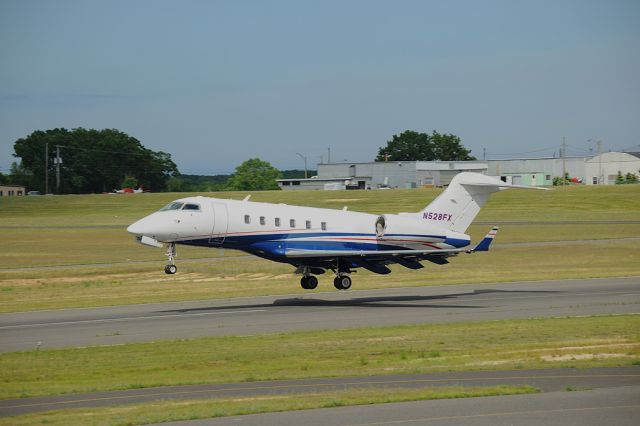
(391, 174)
(601, 169)
(11, 190)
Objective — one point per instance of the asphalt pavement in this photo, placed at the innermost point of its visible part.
(609, 406)
(551, 380)
(317, 310)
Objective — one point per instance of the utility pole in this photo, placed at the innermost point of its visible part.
(484, 153)
(46, 168)
(600, 177)
(564, 166)
(305, 164)
(58, 169)
(329, 155)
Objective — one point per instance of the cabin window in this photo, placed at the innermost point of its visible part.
(277, 221)
(323, 226)
(262, 221)
(191, 207)
(308, 224)
(172, 206)
(247, 219)
(292, 223)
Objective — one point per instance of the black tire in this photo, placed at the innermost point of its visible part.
(312, 282)
(304, 283)
(342, 282)
(336, 283)
(170, 269)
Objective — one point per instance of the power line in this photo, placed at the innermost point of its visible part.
(527, 152)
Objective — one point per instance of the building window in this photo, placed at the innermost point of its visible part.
(308, 224)
(323, 226)
(595, 180)
(262, 221)
(247, 219)
(292, 223)
(277, 221)
(295, 182)
(286, 183)
(547, 177)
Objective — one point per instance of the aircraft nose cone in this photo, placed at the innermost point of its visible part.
(135, 228)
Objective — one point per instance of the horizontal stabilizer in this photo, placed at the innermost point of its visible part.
(487, 240)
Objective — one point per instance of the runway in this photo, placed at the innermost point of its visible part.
(551, 380)
(317, 310)
(610, 406)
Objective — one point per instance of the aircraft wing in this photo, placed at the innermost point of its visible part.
(481, 246)
(377, 253)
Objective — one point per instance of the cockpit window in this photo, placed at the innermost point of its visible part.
(172, 206)
(191, 207)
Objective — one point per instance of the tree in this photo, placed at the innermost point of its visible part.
(407, 146)
(92, 160)
(177, 184)
(254, 175)
(447, 147)
(630, 178)
(129, 182)
(619, 178)
(413, 146)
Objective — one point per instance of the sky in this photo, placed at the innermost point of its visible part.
(217, 82)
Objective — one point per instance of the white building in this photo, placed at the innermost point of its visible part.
(592, 170)
(388, 174)
(604, 168)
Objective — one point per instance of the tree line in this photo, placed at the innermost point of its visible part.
(95, 161)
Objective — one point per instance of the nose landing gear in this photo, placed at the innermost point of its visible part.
(171, 268)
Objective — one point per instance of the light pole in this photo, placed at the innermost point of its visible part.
(305, 163)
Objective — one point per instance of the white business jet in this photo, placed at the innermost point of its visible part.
(315, 240)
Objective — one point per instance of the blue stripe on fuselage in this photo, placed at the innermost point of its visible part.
(277, 244)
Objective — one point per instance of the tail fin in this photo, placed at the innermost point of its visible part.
(460, 203)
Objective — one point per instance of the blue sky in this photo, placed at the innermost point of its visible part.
(217, 82)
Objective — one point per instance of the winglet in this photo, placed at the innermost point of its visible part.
(487, 240)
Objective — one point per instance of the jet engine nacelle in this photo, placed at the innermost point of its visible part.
(393, 225)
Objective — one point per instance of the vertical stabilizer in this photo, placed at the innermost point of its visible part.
(461, 202)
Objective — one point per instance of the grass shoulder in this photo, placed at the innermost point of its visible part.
(169, 411)
(502, 345)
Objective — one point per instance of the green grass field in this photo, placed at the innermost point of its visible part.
(48, 231)
(170, 411)
(96, 263)
(537, 343)
(580, 203)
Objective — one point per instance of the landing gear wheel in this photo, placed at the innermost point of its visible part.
(170, 269)
(309, 283)
(342, 282)
(312, 282)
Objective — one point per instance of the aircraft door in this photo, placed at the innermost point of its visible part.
(220, 224)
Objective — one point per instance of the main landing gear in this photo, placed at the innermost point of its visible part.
(342, 282)
(308, 281)
(171, 268)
